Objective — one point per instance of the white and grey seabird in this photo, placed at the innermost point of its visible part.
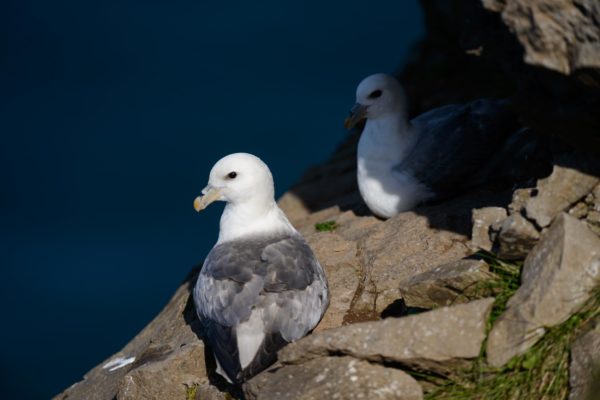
(402, 163)
(261, 285)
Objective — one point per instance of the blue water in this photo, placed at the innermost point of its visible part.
(111, 115)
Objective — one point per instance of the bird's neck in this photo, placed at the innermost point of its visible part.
(386, 139)
(252, 217)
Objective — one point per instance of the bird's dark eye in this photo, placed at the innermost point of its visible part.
(232, 174)
(375, 94)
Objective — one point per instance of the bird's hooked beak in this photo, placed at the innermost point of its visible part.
(210, 195)
(357, 113)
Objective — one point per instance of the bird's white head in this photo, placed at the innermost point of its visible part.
(239, 178)
(377, 96)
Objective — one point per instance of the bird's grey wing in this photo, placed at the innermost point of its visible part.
(280, 279)
(294, 299)
(228, 285)
(456, 141)
(296, 292)
(225, 293)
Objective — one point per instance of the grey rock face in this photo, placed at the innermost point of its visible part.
(585, 364)
(557, 279)
(564, 187)
(333, 378)
(563, 36)
(438, 340)
(452, 283)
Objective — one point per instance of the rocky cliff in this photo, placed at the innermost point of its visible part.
(493, 294)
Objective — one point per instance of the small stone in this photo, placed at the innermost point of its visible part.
(333, 377)
(519, 200)
(579, 210)
(557, 192)
(585, 363)
(594, 217)
(516, 238)
(558, 277)
(483, 219)
(452, 283)
(596, 196)
(589, 199)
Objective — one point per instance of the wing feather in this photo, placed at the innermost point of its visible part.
(280, 277)
(456, 141)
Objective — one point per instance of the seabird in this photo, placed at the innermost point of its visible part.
(261, 285)
(402, 163)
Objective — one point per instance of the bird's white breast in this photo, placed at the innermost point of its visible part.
(386, 191)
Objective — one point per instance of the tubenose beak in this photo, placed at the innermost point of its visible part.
(210, 195)
(357, 114)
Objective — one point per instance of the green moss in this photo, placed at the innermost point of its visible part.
(191, 392)
(327, 226)
(540, 373)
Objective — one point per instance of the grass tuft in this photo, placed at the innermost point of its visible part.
(327, 226)
(507, 283)
(191, 392)
(541, 373)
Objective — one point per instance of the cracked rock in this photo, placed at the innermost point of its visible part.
(558, 277)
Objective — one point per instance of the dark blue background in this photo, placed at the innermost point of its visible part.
(111, 115)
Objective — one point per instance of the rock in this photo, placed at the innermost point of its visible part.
(564, 187)
(452, 283)
(595, 197)
(558, 276)
(398, 249)
(168, 378)
(483, 219)
(585, 363)
(166, 352)
(551, 49)
(562, 36)
(579, 210)
(520, 198)
(381, 255)
(333, 378)
(439, 340)
(516, 238)
(338, 258)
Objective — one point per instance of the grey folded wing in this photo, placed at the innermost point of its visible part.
(278, 277)
(456, 142)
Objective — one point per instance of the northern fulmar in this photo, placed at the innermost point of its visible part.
(261, 285)
(402, 163)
